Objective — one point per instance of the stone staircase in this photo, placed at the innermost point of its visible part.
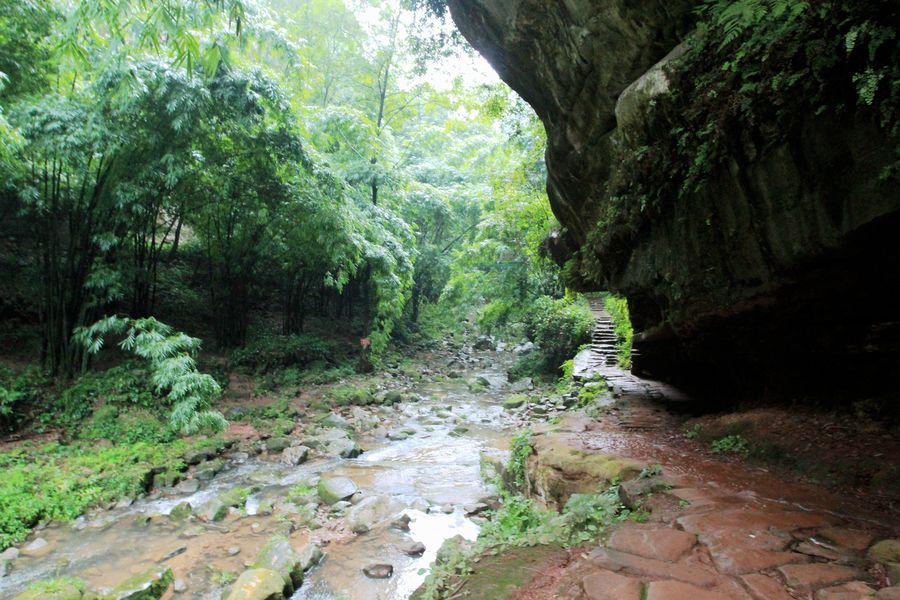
(601, 359)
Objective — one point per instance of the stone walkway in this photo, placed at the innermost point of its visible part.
(713, 529)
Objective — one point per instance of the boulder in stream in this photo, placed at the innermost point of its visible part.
(258, 584)
(334, 489)
(149, 585)
(212, 510)
(279, 556)
(208, 470)
(379, 571)
(371, 511)
(277, 444)
(310, 555)
(295, 455)
(181, 511)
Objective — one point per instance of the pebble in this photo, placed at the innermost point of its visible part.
(234, 550)
(179, 586)
(254, 527)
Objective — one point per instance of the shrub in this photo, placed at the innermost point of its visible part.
(618, 309)
(60, 482)
(558, 327)
(19, 394)
(270, 352)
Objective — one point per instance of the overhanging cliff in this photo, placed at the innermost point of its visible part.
(749, 213)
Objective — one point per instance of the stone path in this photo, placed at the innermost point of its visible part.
(714, 529)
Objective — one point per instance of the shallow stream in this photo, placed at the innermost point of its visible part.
(433, 476)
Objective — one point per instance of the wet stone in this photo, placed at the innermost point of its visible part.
(657, 543)
(401, 523)
(212, 510)
(379, 571)
(9, 554)
(739, 561)
(173, 553)
(607, 585)
(179, 586)
(677, 590)
(233, 550)
(334, 489)
(885, 551)
(180, 511)
(149, 585)
(763, 587)
(310, 555)
(852, 539)
(814, 576)
(38, 547)
(853, 590)
(257, 584)
(295, 455)
(415, 549)
(188, 486)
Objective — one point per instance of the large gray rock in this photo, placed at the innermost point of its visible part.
(295, 455)
(258, 584)
(149, 585)
(334, 489)
(372, 511)
(279, 556)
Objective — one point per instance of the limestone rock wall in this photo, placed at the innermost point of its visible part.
(785, 268)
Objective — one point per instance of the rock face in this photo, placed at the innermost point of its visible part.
(721, 283)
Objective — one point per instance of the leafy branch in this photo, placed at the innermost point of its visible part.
(171, 353)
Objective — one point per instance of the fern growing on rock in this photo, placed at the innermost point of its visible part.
(171, 354)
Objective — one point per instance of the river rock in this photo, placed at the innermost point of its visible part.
(4, 568)
(484, 342)
(196, 456)
(279, 556)
(38, 547)
(179, 586)
(188, 486)
(379, 571)
(402, 523)
(258, 584)
(451, 548)
(295, 455)
(180, 511)
(392, 397)
(277, 444)
(397, 436)
(212, 510)
(173, 553)
(336, 420)
(334, 489)
(458, 431)
(10, 553)
(149, 585)
(522, 385)
(344, 448)
(371, 511)
(310, 555)
(415, 549)
(208, 470)
(166, 479)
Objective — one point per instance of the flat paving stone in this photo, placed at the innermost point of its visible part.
(607, 585)
(763, 587)
(632, 564)
(740, 561)
(661, 543)
(753, 520)
(852, 539)
(807, 578)
(853, 590)
(678, 590)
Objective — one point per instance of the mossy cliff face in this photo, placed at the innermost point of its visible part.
(771, 264)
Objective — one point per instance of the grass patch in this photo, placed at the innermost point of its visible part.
(59, 482)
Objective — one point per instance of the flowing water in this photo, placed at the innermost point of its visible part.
(433, 476)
